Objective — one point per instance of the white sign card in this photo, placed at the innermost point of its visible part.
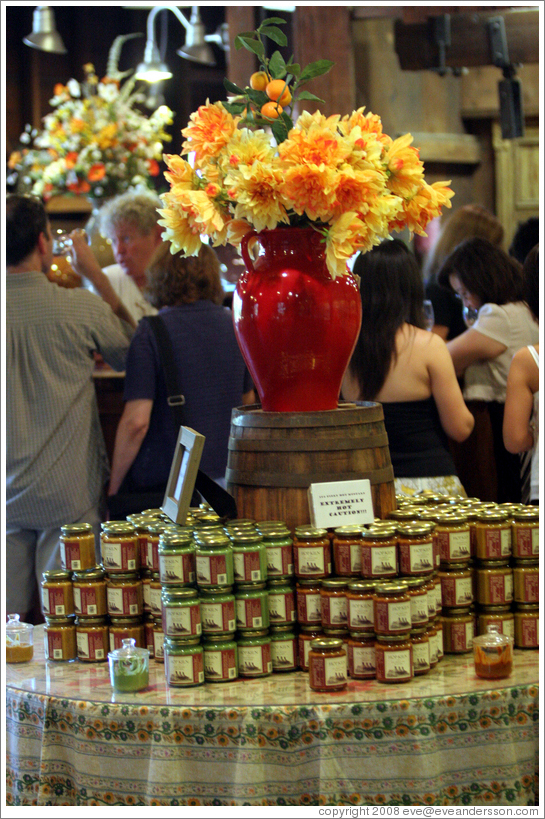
(340, 503)
(183, 473)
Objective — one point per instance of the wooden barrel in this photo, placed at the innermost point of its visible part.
(275, 456)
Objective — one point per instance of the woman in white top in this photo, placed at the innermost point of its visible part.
(490, 281)
(521, 418)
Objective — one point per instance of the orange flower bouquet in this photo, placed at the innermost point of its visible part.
(340, 175)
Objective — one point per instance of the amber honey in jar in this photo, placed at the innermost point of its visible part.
(392, 607)
(327, 664)
(527, 625)
(458, 630)
(416, 589)
(492, 535)
(124, 595)
(493, 654)
(421, 651)
(379, 552)
(347, 542)
(89, 589)
(122, 628)
(361, 656)
(525, 532)
(415, 548)
(359, 604)
(92, 639)
(119, 547)
(394, 658)
(57, 593)
(311, 553)
(526, 581)
(494, 583)
(309, 602)
(334, 602)
(499, 616)
(456, 585)
(77, 547)
(60, 639)
(452, 537)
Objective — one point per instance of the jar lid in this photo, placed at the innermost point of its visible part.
(219, 638)
(118, 527)
(95, 573)
(493, 564)
(272, 524)
(155, 527)
(213, 541)
(363, 636)
(334, 583)
(413, 582)
(16, 630)
(129, 651)
(310, 629)
(362, 585)
(152, 513)
(325, 643)
(307, 582)
(60, 621)
(456, 610)
(391, 588)
(123, 576)
(492, 515)
(418, 632)
(528, 513)
(405, 513)
(453, 567)
(419, 528)
(526, 561)
(179, 642)
(178, 593)
(241, 522)
(457, 516)
(494, 609)
(282, 628)
(379, 532)
(125, 621)
(348, 531)
(77, 529)
(173, 539)
(394, 638)
(90, 621)
(493, 639)
(275, 532)
(250, 587)
(529, 607)
(277, 582)
(331, 631)
(215, 590)
(253, 632)
(209, 517)
(245, 537)
(310, 532)
(56, 574)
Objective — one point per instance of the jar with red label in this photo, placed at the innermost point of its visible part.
(140, 524)
(145, 576)
(218, 613)
(252, 606)
(525, 532)
(404, 514)
(458, 630)
(124, 595)
(394, 658)
(92, 639)
(89, 589)
(309, 602)
(181, 612)
(361, 656)
(339, 634)
(254, 654)
(311, 553)
(415, 548)
(392, 606)
(419, 600)
(526, 581)
(155, 591)
(421, 651)
(60, 639)
(119, 547)
(429, 586)
(155, 529)
(456, 585)
(279, 550)
(527, 625)
(452, 537)
(359, 604)
(434, 632)
(249, 557)
(149, 623)
(379, 552)
(501, 617)
(220, 655)
(281, 602)
(283, 648)
(158, 640)
(494, 583)
(214, 561)
(334, 602)
(176, 558)
(184, 662)
(57, 593)
(122, 628)
(327, 665)
(347, 542)
(77, 547)
(492, 535)
(306, 635)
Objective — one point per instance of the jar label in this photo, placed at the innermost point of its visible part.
(378, 561)
(154, 599)
(437, 596)
(158, 644)
(146, 582)
(280, 561)
(254, 661)
(281, 607)
(184, 669)
(453, 546)
(283, 654)
(148, 638)
(525, 541)
(120, 555)
(436, 646)
(182, 621)
(247, 566)
(311, 561)
(53, 602)
(142, 544)
(416, 558)
(529, 632)
(456, 591)
(347, 558)
(334, 611)
(218, 617)
(360, 615)
(493, 543)
(527, 587)
(421, 656)
(86, 601)
(394, 665)
(500, 590)
(179, 568)
(70, 555)
(419, 609)
(461, 636)
(362, 661)
(309, 607)
(53, 647)
(328, 672)
(304, 648)
(391, 616)
(211, 570)
(90, 645)
(250, 613)
(153, 554)
(124, 601)
(220, 664)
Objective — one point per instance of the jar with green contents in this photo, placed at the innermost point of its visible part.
(249, 557)
(176, 559)
(252, 607)
(184, 662)
(214, 562)
(281, 602)
(129, 666)
(254, 654)
(218, 615)
(220, 654)
(283, 648)
(181, 612)
(279, 549)
(119, 547)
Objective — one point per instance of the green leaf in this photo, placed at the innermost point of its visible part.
(234, 107)
(295, 68)
(250, 45)
(231, 87)
(279, 21)
(279, 129)
(274, 34)
(315, 70)
(277, 66)
(306, 95)
(259, 97)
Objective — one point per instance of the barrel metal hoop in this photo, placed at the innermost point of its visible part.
(345, 414)
(271, 445)
(238, 477)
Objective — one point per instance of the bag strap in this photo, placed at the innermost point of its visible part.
(221, 501)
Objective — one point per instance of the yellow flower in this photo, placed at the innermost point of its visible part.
(180, 230)
(316, 146)
(246, 147)
(310, 190)
(236, 230)
(106, 136)
(355, 188)
(180, 173)
(406, 169)
(210, 129)
(256, 191)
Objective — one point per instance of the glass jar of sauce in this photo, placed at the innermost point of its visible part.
(525, 533)
(306, 635)
(184, 663)
(158, 640)
(119, 547)
(458, 630)
(89, 590)
(214, 562)
(279, 550)
(145, 577)
(392, 607)
(419, 601)
(155, 591)
(347, 542)
(421, 651)
(19, 640)
(60, 639)
(379, 552)
(218, 613)
(361, 656)
(501, 617)
(140, 524)
(527, 625)
(494, 583)
(148, 633)
(311, 553)
(434, 633)
(415, 548)
(181, 612)
(333, 602)
(249, 557)
(452, 537)
(252, 606)
(429, 587)
(124, 595)
(526, 581)
(492, 535)
(327, 665)
(360, 608)
(309, 602)
(176, 559)
(124, 628)
(493, 654)
(281, 602)
(394, 658)
(57, 593)
(254, 654)
(77, 547)
(92, 639)
(456, 585)
(155, 529)
(283, 648)
(220, 655)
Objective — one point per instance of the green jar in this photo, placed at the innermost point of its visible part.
(279, 546)
(249, 557)
(254, 654)
(281, 602)
(176, 558)
(181, 612)
(220, 658)
(184, 664)
(214, 561)
(283, 648)
(218, 615)
(155, 529)
(252, 607)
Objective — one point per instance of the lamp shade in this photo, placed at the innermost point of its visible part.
(44, 34)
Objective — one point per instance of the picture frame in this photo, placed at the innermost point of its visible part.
(183, 474)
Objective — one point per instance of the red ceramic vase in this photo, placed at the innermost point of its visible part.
(295, 324)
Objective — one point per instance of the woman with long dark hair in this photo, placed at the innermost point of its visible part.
(408, 370)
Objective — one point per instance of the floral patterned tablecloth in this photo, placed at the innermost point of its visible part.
(446, 738)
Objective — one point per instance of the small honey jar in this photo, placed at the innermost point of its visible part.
(57, 593)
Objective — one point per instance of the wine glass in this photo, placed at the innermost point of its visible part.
(61, 243)
(429, 317)
(470, 316)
